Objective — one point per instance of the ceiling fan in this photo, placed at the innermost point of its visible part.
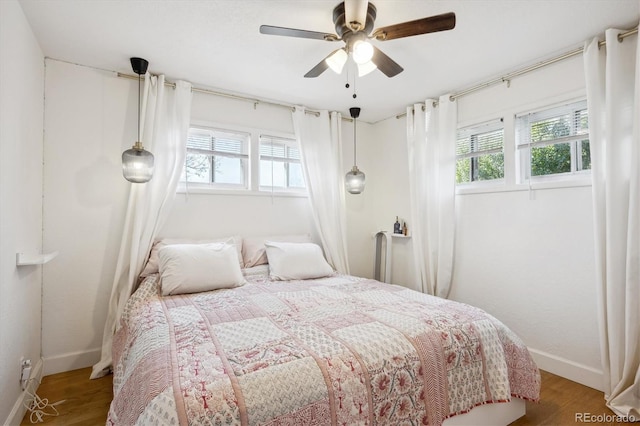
(354, 20)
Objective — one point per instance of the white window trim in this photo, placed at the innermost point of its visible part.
(511, 168)
(289, 142)
(254, 164)
(486, 126)
(245, 136)
(523, 155)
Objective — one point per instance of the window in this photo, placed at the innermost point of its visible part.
(480, 152)
(280, 167)
(216, 157)
(554, 141)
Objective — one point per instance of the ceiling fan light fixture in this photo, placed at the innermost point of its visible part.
(362, 51)
(366, 68)
(354, 22)
(337, 60)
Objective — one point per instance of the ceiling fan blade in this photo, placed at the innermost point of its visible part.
(432, 24)
(292, 32)
(317, 70)
(322, 65)
(385, 64)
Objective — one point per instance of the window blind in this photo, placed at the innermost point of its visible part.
(563, 124)
(279, 149)
(217, 143)
(482, 139)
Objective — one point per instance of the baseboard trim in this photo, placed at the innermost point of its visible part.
(70, 361)
(568, 369)
(18, 411)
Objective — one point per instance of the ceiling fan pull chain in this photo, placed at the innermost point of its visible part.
(354, 86)
(347, 76)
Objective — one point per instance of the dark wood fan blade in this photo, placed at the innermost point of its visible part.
(432, 24)
(292, 32)
(385, 64)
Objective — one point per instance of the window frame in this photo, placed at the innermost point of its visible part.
(253, 169)
(212, 153)
(473, 131)
(574, 139)
(287, 143)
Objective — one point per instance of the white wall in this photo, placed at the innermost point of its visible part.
(90, 118)
(539, 263)
(21, 104)
(359, 208)
(219, 215)
(528, 261)
(390, 188)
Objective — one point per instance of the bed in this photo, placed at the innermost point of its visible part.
(337, 349)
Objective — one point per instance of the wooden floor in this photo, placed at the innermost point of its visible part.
(87, 401)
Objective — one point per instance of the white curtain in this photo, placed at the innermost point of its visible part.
(613, 97)
(431, 142)
(320, 141)
(165, 116)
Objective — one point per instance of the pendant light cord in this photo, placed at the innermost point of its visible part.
(138, 109)
(355, 163)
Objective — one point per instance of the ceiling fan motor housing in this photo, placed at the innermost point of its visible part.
(343, 28)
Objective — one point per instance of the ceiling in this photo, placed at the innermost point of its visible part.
(216, 44)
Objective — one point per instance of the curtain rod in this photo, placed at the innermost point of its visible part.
(506, 78)
(255, 101)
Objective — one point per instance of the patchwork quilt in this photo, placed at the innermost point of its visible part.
(339, 350)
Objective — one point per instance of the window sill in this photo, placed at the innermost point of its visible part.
(535, 186)
(239, 192)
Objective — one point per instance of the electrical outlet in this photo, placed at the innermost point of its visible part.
(25, 372)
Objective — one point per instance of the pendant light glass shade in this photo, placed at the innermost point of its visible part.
(137, 163)
(354, 180)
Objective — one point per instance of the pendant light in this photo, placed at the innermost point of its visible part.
(354, 180)
(137, 163)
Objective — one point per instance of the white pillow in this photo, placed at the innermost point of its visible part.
(192, 268)
(152, 263)
(296, 261)
(253, 251)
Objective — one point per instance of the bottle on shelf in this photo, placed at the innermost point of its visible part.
(396, 227)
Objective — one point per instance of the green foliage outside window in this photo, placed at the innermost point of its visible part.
(485, 167)
(480, 160)
(556, 158)
(550, 159)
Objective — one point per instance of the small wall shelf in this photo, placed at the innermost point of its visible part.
(400, 236)
(23, 259)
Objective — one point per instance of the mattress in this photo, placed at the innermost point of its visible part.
(339, 350)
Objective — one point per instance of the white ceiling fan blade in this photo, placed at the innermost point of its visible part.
(355, 13)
